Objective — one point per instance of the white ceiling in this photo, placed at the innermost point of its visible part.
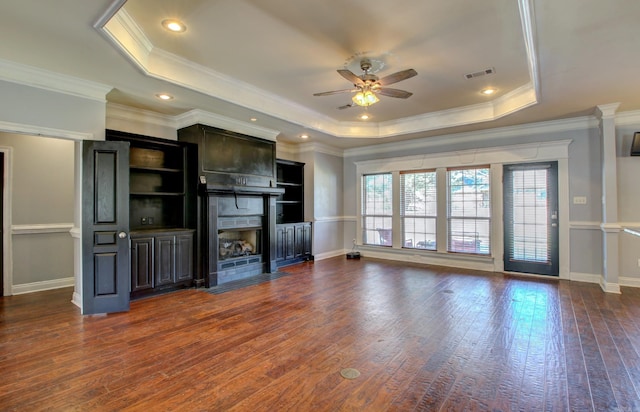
(265, 59)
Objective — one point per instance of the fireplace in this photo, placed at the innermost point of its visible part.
(240, 228)
(237, 204)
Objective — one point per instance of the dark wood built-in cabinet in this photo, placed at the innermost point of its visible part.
(293, 243)
(293, 235)
(161, 260)
(162, 212)
(214, 206)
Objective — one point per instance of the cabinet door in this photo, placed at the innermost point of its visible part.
(289, 242)
(184, 257)
(306, 247)
(299, 242)
(280, 242)
(165, 260)
(141, 264)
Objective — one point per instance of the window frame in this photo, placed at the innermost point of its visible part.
(468, 242)
(411, 243)
(385, 158)
(384, 233)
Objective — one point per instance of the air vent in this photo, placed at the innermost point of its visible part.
(484, 72)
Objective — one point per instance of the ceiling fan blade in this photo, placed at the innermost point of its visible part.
(346, 106)
(401, 94)
(347, 74)
(396, 77)
(335, 92)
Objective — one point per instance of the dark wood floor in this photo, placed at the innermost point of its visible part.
(423, 338)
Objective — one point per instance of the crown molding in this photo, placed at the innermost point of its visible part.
(111, 11)
(631, 118)
(527, 19)
(197, 116)
(288, 148)
(540, 151)
(127, 113)
(606, 111)
(123, 32)
(320, 148)
(20, 128)
(43, 79)
(554, 126)
(119, 28)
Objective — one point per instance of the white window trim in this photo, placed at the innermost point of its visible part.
(496, 157)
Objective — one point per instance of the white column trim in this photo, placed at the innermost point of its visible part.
(7, 243)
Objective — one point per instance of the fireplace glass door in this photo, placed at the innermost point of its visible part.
(237, 243)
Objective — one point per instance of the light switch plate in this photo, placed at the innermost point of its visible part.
(579, 200)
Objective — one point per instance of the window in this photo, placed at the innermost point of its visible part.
(469, 210)
(418, 209)
(377, 209)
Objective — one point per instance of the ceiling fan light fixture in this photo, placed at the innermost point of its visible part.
(365, 98)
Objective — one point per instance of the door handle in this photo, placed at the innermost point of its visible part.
(122, 235)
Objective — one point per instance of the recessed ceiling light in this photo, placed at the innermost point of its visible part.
(364, 116)
(488, 91)
(174, 25)
(304, 136)
(253, 119)
(164, 96)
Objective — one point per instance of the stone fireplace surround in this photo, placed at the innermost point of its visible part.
(238, 208)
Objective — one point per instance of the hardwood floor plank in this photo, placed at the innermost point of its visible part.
(602, 393)
(423, 338)
(555, 367)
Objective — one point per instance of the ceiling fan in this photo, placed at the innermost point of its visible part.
(368, 86)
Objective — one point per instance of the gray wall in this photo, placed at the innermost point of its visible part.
(42, 194)
(628, 201)
(43, 108)
(584, 165)
(328, 200)
(49, 113)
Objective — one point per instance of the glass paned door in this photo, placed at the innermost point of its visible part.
(531, 218)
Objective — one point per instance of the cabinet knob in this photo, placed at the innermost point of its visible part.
(122, 235)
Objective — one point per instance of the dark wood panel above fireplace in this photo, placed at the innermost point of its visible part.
(232, 159)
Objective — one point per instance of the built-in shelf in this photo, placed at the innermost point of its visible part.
(154, 169)
(159, 194)
(162, 213)
(290, 205)
(156, 193)
(293, 235)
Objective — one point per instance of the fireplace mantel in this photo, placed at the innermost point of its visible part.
(242, 190)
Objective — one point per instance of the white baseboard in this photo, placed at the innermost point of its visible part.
(327, 255)
(629, 281)
(40, 286)
(610, 287)
(77, 299)
(585, 277)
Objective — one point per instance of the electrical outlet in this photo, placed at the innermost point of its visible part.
(579, 200)
(143, 221)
